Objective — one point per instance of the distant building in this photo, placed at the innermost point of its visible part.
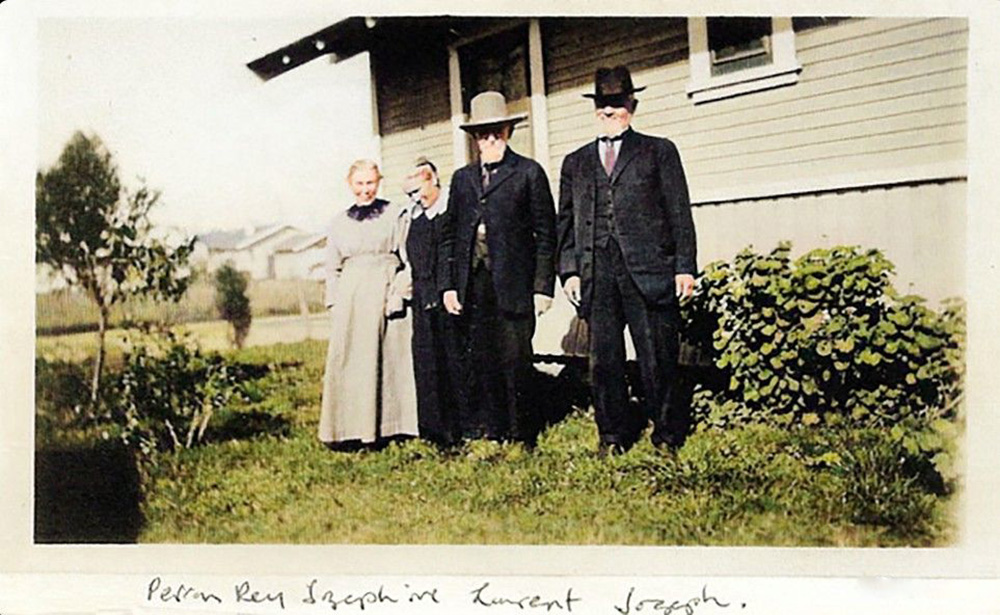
(300, 257)
(252, 250)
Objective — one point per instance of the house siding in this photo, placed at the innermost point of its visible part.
(883, 95)
(414, 112)
(867, 148)
(920, 228)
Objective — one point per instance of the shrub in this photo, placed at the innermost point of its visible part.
(62, 406)
(168, 391)
(232, 302)
(823, 337)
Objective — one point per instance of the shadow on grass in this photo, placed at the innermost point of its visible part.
(248, 425)
(87, 495)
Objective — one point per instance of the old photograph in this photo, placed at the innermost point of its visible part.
(457, 279)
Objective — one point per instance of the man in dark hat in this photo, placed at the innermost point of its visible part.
(497, 271)
(626, 255)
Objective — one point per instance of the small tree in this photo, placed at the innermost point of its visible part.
(232, 302)
(96, 234)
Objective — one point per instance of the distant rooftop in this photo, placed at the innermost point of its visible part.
(241, 238)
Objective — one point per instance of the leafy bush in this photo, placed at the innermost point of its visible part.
(168, 391)
(232, 302)
(826, 336)
(63, 411)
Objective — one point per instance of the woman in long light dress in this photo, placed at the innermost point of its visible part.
(368, 388)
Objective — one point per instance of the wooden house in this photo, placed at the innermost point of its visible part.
(816, 130)
(301, 257)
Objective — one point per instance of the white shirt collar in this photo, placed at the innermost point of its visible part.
(434, 210)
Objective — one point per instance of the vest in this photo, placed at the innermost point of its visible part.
(604, 208)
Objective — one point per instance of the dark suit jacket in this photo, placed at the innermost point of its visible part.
(652, 216)
(520, 218)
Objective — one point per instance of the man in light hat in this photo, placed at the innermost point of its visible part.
(497, 270)
(626, 255)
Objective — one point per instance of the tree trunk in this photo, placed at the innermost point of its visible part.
(102, 328)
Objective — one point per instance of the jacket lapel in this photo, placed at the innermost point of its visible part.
(476, 179)
(629, 148)
(504, 172)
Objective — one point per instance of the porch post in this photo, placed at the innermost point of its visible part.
(539, 108)
(459, 149)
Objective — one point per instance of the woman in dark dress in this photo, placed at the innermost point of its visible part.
(434, 349)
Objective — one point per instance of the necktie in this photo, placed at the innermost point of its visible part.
(488, 169)
(609, 152)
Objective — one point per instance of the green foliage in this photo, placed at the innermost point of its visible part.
(167, 393)
(883, 487)
(232, 302)
(62, 412)
(822, 338)
(96, 234)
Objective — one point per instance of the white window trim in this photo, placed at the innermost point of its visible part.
(703, 87)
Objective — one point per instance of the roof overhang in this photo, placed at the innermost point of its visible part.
(341, 40)
(349, 37)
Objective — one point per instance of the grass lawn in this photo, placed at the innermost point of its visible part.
(264, 478)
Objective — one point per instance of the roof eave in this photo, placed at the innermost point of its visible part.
(341, 40)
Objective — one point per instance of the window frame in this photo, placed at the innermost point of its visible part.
(783, 70)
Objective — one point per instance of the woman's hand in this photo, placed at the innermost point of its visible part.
(393, 305)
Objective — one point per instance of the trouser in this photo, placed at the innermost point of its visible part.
(617, 302)
(434, 353)
(498, 356)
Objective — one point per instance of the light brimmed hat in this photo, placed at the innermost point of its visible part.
(490, 109)
(613, 86)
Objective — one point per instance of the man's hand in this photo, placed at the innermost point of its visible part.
(572, 290)
(451, 304)
(542, 304)
(684, 285)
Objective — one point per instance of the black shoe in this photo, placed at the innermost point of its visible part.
(345, 446)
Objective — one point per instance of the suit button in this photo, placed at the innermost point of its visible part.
(588, 249)
(589, 222)
(483, 201)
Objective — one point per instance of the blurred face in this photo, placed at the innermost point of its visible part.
(613, 121)
(421, 187)
(364, 185)
(428, 190)
(492, 142)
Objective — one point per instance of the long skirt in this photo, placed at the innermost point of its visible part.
(368, 387)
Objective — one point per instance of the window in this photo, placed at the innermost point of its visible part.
(738, 43)
(500, 63)
(731, 56)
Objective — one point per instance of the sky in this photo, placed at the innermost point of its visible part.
(175, 104)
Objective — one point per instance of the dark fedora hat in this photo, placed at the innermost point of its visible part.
(613, 86)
